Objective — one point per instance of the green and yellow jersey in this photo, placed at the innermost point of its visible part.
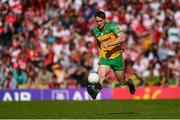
(109, 33)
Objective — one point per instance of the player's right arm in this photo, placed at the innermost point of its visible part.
(94, 32)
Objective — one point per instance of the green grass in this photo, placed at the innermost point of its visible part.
(126, 109)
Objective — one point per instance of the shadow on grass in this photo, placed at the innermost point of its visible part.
(116, 113)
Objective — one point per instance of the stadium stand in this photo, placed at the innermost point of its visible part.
(49, 44)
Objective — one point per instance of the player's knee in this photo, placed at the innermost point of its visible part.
(102, 78)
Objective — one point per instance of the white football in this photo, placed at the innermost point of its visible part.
(93, 78)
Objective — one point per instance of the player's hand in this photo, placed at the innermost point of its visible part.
(106, 44)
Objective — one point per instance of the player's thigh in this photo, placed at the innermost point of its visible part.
(103, 70)
(104, 67)
(117, 64)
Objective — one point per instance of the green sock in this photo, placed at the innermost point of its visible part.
(96, 90)
(122, 84)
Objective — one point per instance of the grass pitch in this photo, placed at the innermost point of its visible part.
(111, 109)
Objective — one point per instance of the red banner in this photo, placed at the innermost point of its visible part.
(147, 93)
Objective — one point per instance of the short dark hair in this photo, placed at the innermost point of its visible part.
(100, 14)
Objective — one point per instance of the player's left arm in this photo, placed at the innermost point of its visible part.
(121, 37)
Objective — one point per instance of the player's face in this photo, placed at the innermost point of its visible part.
(100, 22)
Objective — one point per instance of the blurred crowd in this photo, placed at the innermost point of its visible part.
(49, 43)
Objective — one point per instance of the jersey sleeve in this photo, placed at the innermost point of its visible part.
(94, 32)
(115, 29)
